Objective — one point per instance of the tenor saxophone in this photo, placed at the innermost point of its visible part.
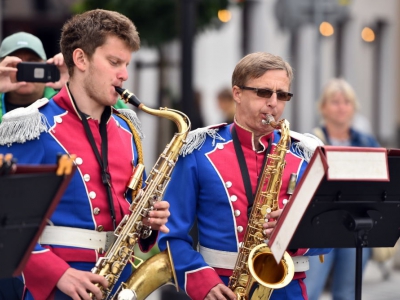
(256, 273)
(159, 269)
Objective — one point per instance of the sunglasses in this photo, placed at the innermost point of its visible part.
(267, 93)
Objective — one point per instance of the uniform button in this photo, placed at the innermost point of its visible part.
(285, 201)
(86, 177)
(58, 119)
(100, 228)
(92, 195)
(78, 161)
(96, 211)
(237, 213)
(240, 228)
(220, 146)
(233, 198)
(228, 184)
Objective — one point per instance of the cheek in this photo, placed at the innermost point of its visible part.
(281, 106)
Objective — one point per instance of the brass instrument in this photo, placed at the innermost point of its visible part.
(256, 273)
(159, 269)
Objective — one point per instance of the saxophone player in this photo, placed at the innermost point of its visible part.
(215, 180)
(80, 120)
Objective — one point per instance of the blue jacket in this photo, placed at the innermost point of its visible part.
(84, 204)
(357, 138)
(207, 185)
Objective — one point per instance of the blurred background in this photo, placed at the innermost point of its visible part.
(190, 48)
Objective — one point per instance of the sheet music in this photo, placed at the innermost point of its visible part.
(357, 165)
(294, 210)
(337, 163)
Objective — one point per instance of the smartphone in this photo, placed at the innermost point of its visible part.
(37, 72)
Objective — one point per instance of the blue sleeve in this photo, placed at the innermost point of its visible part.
(182, 194)
(30, 152)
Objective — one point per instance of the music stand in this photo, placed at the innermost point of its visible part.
(28, 198)
(353, 214)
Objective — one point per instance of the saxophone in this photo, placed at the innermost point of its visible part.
(159, 269)
(256, 273)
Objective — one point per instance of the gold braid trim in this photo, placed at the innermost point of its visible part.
(138, 147)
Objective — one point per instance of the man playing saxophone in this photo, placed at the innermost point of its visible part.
(80, 120)
(215, 180)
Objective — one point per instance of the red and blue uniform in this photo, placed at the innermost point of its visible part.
(84, 204)
(207, 186)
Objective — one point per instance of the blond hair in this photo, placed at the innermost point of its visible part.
(338, 85)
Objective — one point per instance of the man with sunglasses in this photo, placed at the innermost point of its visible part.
(216, 178)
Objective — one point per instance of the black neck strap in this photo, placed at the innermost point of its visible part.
(103, 158)
(243, 167)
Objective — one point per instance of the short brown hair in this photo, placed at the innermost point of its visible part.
(90, 29)
(255, 65)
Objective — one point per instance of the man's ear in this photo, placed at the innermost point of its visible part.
(80, 59)
(237, 94)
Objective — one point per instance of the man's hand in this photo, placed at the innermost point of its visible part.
(78, 284)
(220, 292)
(7, 67)
(58, 60)
(270, 222)
(158, 217)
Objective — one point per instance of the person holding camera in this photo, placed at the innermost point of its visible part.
(25, 47)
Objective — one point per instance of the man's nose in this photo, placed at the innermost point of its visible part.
(123, 74)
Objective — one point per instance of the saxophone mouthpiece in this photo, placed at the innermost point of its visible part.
(269, 120)
(127, 96)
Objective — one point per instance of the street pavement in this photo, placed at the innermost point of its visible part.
(378, 283)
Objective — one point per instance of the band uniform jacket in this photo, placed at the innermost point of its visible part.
(84, 203)
(207, 185)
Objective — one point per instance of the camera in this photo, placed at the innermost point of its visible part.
(37, 72)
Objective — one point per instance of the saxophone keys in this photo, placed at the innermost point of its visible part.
(259, 236)
(265, 209)
(243, 278)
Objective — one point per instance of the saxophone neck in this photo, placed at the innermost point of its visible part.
(181, 120)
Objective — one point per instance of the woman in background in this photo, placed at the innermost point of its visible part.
(337, 106)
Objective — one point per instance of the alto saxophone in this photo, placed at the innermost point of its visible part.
(159, 269)
(256, 273)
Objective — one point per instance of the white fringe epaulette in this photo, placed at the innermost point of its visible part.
(133, 118)
(306, 145)
(196, 139)
(23, 124)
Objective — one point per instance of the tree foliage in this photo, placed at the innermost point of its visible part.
(158, 21)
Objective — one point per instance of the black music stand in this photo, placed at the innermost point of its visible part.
(353, 214)
(27, 200)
